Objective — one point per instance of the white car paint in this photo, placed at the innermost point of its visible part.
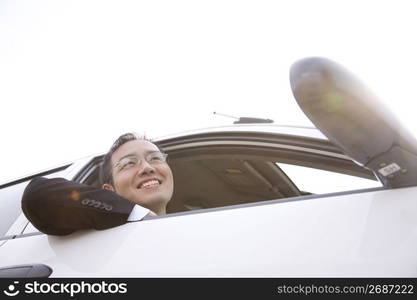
(369, 234)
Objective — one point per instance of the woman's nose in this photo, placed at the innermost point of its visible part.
(145, 168)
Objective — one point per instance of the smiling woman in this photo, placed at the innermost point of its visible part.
(139, 173)
(57, 206)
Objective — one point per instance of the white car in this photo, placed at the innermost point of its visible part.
(254, 200)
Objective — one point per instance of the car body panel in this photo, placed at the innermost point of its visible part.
(359, 234)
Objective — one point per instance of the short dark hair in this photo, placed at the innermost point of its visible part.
(106, 167)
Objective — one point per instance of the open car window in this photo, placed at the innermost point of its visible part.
(222, 175)
(317, 181)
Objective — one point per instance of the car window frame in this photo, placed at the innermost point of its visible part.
(302, 144)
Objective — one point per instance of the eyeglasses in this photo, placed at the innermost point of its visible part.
(153, 158)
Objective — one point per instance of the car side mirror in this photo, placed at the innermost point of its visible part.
(353, 118)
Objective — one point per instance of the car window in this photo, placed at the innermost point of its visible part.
(223, 175)
(10, 198)
(318, 181)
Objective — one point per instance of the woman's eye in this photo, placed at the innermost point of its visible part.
(127, 164)
(156, 159)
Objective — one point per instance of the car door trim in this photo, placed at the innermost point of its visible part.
(258, 144)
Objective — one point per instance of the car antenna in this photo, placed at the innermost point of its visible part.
(224, 115)
(246, 120)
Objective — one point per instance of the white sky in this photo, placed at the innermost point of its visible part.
(74, 75)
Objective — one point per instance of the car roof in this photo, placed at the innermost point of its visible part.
(302, 131)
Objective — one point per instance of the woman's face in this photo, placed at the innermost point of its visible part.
(141, 175)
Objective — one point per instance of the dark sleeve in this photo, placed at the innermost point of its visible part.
(59, 207)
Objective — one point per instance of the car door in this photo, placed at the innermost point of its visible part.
(348, 233)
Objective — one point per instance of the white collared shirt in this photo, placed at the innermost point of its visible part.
(138, 213)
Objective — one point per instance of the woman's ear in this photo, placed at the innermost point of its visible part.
(107, 186)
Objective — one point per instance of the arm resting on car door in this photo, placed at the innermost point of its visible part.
(58, 206)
